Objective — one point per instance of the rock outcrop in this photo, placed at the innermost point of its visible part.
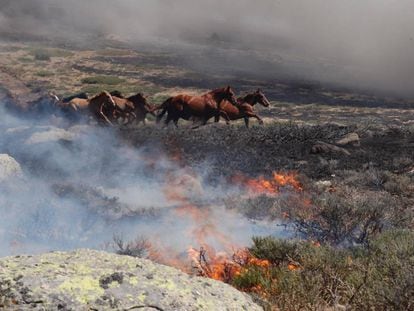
(9, 168)
(94, 280)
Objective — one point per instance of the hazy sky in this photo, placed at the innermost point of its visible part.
(372, 38)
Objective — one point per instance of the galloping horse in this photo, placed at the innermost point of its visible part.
(205, 106)
(125, 106)
(142, 107)
(135, 106)
(101, 106)
(244, 108)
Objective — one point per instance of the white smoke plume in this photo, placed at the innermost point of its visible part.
(81, 185)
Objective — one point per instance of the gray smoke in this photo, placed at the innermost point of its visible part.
(365, 44)
(80, 186)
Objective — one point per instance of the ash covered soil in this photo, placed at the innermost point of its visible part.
(282, 146)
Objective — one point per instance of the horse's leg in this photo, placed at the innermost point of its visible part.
(246, 121)
(132, 117)
(103, 117)
(168, 120)
(225, 116)
(253, 115)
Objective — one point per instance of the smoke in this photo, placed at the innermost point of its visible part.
(364, 44)
(80, 186)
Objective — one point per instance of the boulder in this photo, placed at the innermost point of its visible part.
(9, 168)
(349, 139)
(323, 185)
(322, 147)
(48, 135)
(95, 280)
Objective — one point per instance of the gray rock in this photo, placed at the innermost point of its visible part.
(9, 168)
(323, 185)
(93, 280)
(349, 139)
(48, 135)
(322, 147)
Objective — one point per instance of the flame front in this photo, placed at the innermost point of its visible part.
(221, 266)
(269, 186)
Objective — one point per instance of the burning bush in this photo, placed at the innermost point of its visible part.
(305, 275)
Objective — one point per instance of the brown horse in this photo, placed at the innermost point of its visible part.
(142, 107)
(125, 108)
(244, 108)
(101, 106)
(203, 107)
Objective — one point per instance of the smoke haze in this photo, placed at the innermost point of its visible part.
(364, 44)
(80, 186)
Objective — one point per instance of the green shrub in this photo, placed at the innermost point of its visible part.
(348, 216)
(45, 54)
(42, 55)
(379, 276)
(108, 80)
(44, 73)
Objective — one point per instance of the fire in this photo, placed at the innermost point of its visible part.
(270, 186)
(185, 190)
(223, 267)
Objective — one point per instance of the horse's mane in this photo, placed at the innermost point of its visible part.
(117, 94)
(215, 91)
(139, 97)
(82, 95)
(136, 96)
(100, 94)
(246, 98)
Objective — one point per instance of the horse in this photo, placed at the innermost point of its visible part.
(101, 106)
(125, 108)
(82, 95)
(204, 107)
(244, 108)
(142, 107)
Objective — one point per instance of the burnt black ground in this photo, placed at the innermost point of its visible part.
(277, 147)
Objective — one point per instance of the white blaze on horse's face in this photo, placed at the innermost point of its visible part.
(111, 100)
(54, 97)
(262, 98)
(265, 102)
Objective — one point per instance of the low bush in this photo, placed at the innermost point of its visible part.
(108, 80)
(306, 276)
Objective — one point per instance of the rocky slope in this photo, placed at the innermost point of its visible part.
(93, 280)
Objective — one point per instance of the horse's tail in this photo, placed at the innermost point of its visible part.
(164, 106)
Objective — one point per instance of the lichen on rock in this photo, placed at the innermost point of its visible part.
(94, 280)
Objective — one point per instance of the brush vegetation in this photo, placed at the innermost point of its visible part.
(308, 276)
(108, 80)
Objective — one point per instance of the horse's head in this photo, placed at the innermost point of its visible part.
(141, 102)
(108, 100)
(53, 97)
(261, 98)
(256, 97)
(227, 93)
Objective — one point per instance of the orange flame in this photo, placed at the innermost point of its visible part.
(271, 186)
(223, 267)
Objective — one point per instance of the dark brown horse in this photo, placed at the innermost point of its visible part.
(142, 107)
(244, 108)
(125, 108)
(202, 107)
(135, 108)
(101, 106)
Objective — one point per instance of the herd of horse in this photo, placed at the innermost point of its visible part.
(113, 108)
